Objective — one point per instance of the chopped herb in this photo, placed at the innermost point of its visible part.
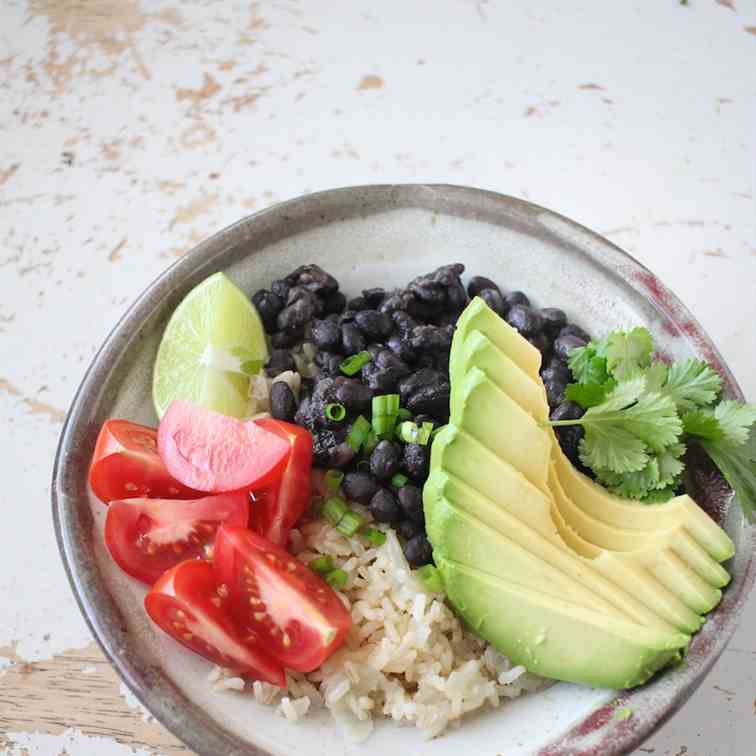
(374, 536)
(430, 578)
(355, 363)
(370, 442)
(399, 480)
(336, 579)
(321, 565)
(350, 523)
(334, 509)
(335, 412)
(333, 480)
(358, 433)
(385, 411)
(403, 413)
(589, 395)
(410, 433)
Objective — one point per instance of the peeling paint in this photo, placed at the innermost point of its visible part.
(371, 81)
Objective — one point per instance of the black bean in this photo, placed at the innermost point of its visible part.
(456, 296)
(393, 303)
(493, 298)
(334, 303)
(301, 308)
(565, 344)
(553, 318)
(329, 363)
(408, 529)
(402, 348)
(374, 297)
(354, 395)
(385, 358)
(569, 435)
(575, 330)
(385, 459)
(382, 380)
(358, 303)
(480, 283)
(281, 289)
(359, 486)
(426, 391)
(415, 461)
(384, 506)
(280, 361)
(513, 298)
(283, 405)
(430, 338)
(411, 502)
(285, 339)
(418, 551)
(352, 340)
(326, 334)
(374, 324)
(556, 369)
(268, 305)
(556, 362)
(404, 322)
(423, 311)
(553, 380)
(540, 341)
(524, 319)
(313, 278)
(329, 450)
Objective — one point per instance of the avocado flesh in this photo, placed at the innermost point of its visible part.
(653, 569)
(555, 638)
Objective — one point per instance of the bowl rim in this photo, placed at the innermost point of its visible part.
(601, 733)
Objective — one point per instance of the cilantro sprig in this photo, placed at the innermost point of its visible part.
(642, 413)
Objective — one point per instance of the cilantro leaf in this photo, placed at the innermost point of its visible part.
(660, 495)
(691, 383)
(738, 465)
(662, 471)
(628, 352)
(735, 420)
(612, 448)
(703, 424)
(656, 376)
(586, 365)
(589, 394)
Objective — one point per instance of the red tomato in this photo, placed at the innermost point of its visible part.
(189, 605)
(146, 537)
(278, 507)
(126, 464)
(295, 614)
(212, 452)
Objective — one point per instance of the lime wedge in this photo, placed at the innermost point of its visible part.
(213, 342)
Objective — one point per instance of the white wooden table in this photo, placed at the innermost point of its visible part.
(131, 130)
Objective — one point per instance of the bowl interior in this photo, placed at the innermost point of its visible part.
(373, 236)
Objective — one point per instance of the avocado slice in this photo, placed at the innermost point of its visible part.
(554, 637)
(557, 573)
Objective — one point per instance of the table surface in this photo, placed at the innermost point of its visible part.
(132, 130)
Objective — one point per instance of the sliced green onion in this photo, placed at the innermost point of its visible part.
(358, 433)
(321, 565)
(386, 404)
(336, 579)
(404, 413)
(355, 363)
(251, 367)
(333, 480)
(334, 509)
(411, 434)
(350, 523)
(430, 578)
(335, 412)
(399, 480)
(383, 425)
(370, 442)
(374, 536)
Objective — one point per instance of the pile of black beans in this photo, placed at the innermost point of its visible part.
(408, 334)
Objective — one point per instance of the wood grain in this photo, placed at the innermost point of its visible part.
(78, 689)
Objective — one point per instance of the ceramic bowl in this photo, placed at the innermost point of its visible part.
(369, 236)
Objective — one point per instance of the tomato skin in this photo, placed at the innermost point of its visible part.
(215, 453)
(146, 537)
(187, 604)
(294, 613)
(126, 464)
(278, 507)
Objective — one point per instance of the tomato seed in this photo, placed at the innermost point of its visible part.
(187, 636)
(215, 600)
(291, 566)
(180, 614)
(151, 549)
(255, 601)
(178, 548)
(286, 640)
(260, 616)
(222, 590)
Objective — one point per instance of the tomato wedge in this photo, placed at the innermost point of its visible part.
(295, 614)
(146, 537)
(278, 507)
(126, 464)
(212, 452)
(188, 605)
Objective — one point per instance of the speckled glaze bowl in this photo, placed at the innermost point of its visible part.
(369, 236)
